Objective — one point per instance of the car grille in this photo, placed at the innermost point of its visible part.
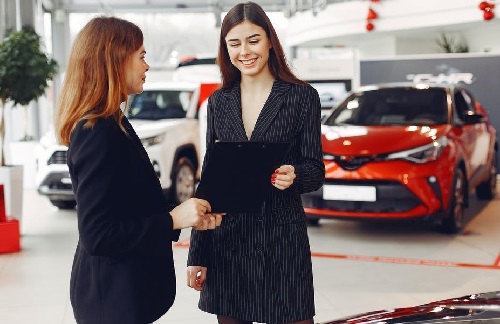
(54, 182)
(60, 186)
(58, 157)
(352, 162)
(392, 197)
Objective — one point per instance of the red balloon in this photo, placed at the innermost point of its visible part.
(484, 5)
(488, 15)
(371, 14)
(370, 26)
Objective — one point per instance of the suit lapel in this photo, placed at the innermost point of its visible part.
(233, 110)
(270, 110)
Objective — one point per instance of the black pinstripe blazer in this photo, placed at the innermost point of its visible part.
(291, 114)
(259, 264)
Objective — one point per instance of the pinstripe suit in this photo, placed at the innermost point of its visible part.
(259, 265)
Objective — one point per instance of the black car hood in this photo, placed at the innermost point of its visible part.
(476, 308)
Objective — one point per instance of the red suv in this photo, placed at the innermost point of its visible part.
(402, 151)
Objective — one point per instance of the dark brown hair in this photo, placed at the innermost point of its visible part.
(253, 13)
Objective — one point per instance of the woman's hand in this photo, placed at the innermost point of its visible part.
(196, 276)
(208, 222)
(196, 213)
(283, 177)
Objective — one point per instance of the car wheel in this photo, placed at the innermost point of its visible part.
(486, 190)
(454, 220)
(183, 181)
(64, 204)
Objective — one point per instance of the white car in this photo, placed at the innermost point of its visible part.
(165, 117)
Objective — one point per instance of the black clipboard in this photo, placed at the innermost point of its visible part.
(237, 175)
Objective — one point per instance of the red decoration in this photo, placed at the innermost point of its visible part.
(488, 15)
(487, 9)
(483, 5)
(371, 14)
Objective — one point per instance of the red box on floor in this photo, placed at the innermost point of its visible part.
(10, 236)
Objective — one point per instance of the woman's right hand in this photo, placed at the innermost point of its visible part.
(196, 276)
(194, 213)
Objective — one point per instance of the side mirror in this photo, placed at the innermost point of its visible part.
(472, 118)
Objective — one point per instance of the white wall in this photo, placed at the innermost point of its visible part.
(484, 37)
(416, 45)
(377, 46)
(412, 25)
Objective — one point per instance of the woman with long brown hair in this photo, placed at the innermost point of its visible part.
(256, 267)
(123, 269)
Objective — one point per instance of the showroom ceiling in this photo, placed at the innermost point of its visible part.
(174, 6)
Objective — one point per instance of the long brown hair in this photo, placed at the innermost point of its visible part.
(277, 62)
(94, 84)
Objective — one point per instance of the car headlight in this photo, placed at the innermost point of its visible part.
(328, 157)
(422, 154)
(153, 140)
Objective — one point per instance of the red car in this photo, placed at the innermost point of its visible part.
(476, 308)
(403, 151)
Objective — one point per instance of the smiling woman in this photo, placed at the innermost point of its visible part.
(260, 100)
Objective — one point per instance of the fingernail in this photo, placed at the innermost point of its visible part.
(273, 176)
(276, 171)
(273, 181)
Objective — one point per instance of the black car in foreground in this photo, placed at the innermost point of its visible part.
(476, 308)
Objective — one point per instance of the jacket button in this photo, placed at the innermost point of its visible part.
(258, 247)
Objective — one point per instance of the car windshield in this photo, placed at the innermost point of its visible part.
(392, 107)
(159, 104)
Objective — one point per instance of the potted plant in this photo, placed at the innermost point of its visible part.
(25, 72)
(450, 44)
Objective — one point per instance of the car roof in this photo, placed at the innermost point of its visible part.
(389, 85)
(170, 86)
(200, 59)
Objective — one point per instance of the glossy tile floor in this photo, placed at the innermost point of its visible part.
(357, 267)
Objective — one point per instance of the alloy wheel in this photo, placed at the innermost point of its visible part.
(184, 181)
(459, 200)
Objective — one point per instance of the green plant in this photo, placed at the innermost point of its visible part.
(449, 44)
(25, 72)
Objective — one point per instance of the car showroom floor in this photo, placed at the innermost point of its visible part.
(357, 267)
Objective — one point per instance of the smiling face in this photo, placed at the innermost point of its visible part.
(248, 48)
(135, 71)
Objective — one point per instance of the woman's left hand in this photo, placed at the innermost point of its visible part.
(283, 177)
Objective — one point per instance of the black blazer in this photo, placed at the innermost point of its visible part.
(259, 264)
(290, 114)
(123, 269)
